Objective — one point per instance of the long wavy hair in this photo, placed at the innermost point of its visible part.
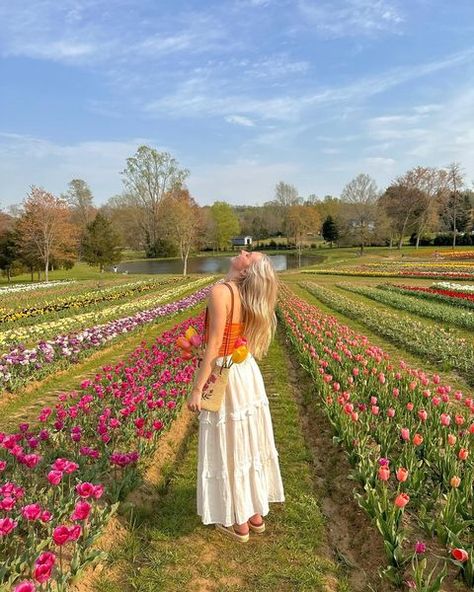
(258, 288)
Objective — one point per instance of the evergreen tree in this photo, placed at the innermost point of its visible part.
(101, 243)
(330, 231)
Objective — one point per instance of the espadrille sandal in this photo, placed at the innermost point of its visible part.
(229, 531)
(257, 528)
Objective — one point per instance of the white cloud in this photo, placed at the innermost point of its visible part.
(53, 165)
(240, 120)
(351, 18)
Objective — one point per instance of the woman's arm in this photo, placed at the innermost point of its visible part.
(217, 315)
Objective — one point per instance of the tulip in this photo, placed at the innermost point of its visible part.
(445, 419)
(405, 434)
(410, 406)
(452, 439)
(354, 416)
(402, 500)
(196, 340)
(460, 555)
(240, 341)
(384, 473)
(463, 454)
(190, 332)
(6, 526)
(25, 586)
(417, 439)
(81, 511)
(239, 354)
(374, 410)
(395, 392)
(422, 415)
(455, 482)
(183, 343)
(402, 474)
(186, 355)
(420, 548)
(390, 412)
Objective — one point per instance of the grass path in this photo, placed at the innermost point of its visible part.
(169, 549)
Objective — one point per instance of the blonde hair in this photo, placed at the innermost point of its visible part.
(258, 288)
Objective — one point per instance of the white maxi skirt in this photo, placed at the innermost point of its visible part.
(238, 471)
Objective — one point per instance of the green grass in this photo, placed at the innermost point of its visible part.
(172, 550)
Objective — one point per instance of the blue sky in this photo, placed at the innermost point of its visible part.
(244, 93)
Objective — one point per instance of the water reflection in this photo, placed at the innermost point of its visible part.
(209, 265)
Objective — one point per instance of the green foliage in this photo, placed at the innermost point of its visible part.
(225, 224)
(101, 243)
(330, 230)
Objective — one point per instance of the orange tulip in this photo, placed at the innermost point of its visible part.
(402, 500)
(417, 439)
(186, 355)
(452, 439)
(384, 473)
(455, 482)
(239, 354)
(402, 474)
(183, 343)
(463, 454)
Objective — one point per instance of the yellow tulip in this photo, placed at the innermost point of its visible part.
(190, 332)
(239, 354)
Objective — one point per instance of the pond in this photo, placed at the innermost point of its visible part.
(210, 264)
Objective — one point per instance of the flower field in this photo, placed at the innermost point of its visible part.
(452, 294)
(440, 345)
(407, 435)
(404, 300)
(20, 364)
(62, 477)
(421, 269)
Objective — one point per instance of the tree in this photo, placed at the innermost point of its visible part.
(455, 206)
(101, 243)
(302, 220)
(285, 196)
(360, 196)
(8, 252)
(225, 224)
(401, 202)
(330, 230)
(44, 229)
(148, 177)
(183, 222)
(80, 200)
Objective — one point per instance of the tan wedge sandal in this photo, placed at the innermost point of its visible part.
(258, 528)
(229, 531)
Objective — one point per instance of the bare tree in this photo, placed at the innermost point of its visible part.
(360, 196)
(285, 196)
(183, 221)
(401, 202)
(45, 230)
(453, 207)
(302, 220)
(148, 176)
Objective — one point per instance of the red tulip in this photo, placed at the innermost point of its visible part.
(460, 555)
(417, 439)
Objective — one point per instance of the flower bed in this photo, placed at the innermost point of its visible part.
(18, 288)
(21, 364)
(408, 436)
(60, 481)
(448, 296)
(404, 301)
(435, 343)
(402, 269)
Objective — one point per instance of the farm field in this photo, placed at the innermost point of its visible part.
(370, 380)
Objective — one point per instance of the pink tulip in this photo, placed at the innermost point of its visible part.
(6, 526)
(402, 500)
(384, 473)
(390, 412)
(405, 434)
(423, 415)
(25, 586)
(410, 406)
(445, 419)
(32, 512)
(81, 511)
(55, 477)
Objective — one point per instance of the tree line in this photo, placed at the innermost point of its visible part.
(156, 213)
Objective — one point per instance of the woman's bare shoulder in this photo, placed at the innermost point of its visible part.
(218, 291)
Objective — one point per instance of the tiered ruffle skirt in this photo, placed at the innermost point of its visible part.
(238, 471)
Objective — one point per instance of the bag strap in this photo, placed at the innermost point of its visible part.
(231, 314)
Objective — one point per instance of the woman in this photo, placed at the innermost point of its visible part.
(238, 471)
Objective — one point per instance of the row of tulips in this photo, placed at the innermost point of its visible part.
(407, 435)
(434, 343)
(62, 478)
(21, 364)
(405, 301)
(469, 288)
(18, 288)
(398, 269)
(27, 335)
(445, 295)
(80, 301)
(458, 254)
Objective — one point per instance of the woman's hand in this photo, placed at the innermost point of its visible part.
(194, 399)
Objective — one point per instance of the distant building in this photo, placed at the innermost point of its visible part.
(241, 241)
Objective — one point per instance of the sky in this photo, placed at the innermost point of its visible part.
(243, 93)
